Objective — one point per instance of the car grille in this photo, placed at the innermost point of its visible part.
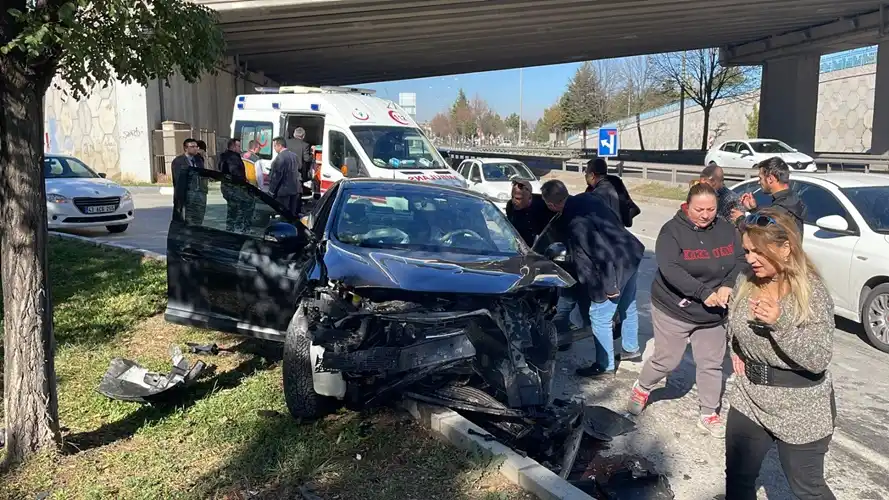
(83, 204)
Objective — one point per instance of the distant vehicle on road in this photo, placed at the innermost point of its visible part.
(749, 152)
(78, 197)
(387, 285)
(493, 177)
(847, 237)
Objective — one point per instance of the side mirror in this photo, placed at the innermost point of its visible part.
(833, 223)
(103, 175)
(281, 232)
(557, 252)
(350, 169)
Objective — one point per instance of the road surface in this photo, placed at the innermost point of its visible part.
(857, 464)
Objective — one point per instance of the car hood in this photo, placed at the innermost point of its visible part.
(441, 176)
(506, 186)
(93, 188)
(440, 272)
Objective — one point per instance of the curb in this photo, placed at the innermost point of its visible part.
(145, 253)
(524, 472)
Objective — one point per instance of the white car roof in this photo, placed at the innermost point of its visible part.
(840, 180)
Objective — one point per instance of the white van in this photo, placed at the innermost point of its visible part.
(353, 133)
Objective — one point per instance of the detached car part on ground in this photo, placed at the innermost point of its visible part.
(397, 286)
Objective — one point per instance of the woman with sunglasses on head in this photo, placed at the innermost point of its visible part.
(780, 333)
(699, 257)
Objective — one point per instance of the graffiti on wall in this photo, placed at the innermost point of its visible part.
(84, 128)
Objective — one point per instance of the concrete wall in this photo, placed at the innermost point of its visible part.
(844, 117)
(111, 129)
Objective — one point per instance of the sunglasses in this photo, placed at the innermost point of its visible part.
(759, 220)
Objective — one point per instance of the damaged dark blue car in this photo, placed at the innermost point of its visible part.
(387, 288)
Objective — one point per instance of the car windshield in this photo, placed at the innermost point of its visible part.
(770, 147)
(398, 148)
(873, 204)
(424, 219)
(502, 172)
(66, 168)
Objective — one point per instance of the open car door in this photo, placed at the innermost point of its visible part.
(237, 260)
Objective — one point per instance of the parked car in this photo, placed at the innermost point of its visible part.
(387, 284)
(847, 238)
(78, 197)
(493, 177)
(747, 153)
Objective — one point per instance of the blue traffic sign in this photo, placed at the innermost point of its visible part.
(608, 146)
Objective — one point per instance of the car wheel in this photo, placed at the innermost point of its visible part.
(118, 228)
(712, 164)
(875, 317)
(299, 389)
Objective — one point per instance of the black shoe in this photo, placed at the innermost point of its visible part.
(594, 371)
(631, 356)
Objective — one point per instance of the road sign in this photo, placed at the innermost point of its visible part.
(608, 146)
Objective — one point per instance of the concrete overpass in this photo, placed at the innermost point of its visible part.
(361, 41)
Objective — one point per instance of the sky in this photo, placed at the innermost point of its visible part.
(541, 88)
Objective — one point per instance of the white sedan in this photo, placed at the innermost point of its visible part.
(493, 177)
(78, 197)
(847, 238)
(749, 152)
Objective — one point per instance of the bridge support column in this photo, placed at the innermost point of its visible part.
(789, 101)
(879, 142)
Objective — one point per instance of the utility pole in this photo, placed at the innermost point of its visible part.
(682, 104)
(520, 107)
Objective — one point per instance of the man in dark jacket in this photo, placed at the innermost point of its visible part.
(240, 202)
(196, 195)
(303, 152)
(284, 177)
(606, 257)
(527, 212)
(774, 178)
(612, 190)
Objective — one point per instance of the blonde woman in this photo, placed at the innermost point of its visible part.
(780, 332)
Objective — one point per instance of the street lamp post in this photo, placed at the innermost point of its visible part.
(520, 107)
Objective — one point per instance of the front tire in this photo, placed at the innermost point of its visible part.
(299, 389)
(875, 317)
(117, 229)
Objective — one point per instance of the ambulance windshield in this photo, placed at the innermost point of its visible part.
(398, 148)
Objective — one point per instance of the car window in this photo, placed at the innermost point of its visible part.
(216, 202)
(819, 202)
(463, 169)
(474, 175)
(743, 148)
(66, 168)
(321, 210)
(424, 220)
(762, 198)
(256, 131)
(502, 172)
(341, 148)
(873, 204)
(730, 147)
(770, 147)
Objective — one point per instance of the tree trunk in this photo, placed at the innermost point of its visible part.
(639, 132)
(29, 379)
(583, 143)
(706, 139)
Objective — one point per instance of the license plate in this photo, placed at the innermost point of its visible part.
(101, 209)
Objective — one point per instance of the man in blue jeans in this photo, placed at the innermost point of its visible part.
(606, 258)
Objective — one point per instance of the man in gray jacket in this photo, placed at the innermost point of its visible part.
(285, 179)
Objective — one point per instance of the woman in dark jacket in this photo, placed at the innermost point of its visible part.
(699, 256)
(780, 331)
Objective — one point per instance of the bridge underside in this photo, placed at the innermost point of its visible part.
(354, 41)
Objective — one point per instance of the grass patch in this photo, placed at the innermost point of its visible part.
(659, 190)
(229, 436)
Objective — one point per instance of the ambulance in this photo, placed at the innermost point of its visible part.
(352, 133)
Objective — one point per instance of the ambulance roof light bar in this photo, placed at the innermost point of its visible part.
(298, 89)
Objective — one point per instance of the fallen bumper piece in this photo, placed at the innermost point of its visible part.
(126, 380)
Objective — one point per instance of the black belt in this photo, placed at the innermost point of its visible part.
(763, 374)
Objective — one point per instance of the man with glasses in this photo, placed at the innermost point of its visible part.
(196, 196)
